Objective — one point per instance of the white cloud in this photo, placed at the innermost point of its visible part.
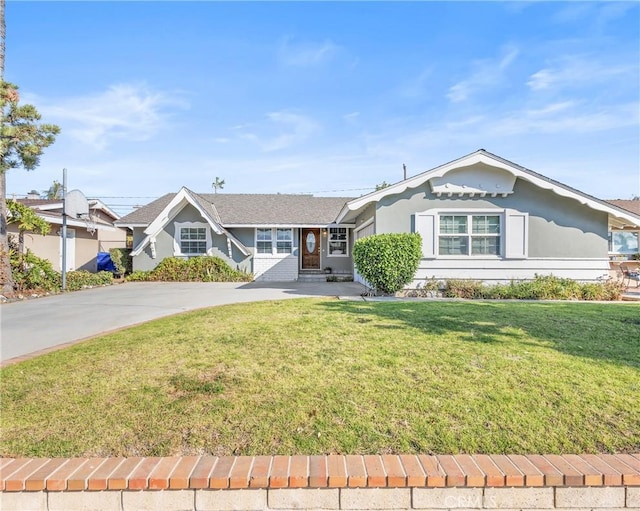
(125, 111)
(351, 117)
(573, 71)
(290, 129)
(488, 73)
(306, 54)
(562, 118)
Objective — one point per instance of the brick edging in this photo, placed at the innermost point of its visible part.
(332, 471)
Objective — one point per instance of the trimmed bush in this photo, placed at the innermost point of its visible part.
(195, 269)
(463, 289)
(81, 279)
(122, 260)
(388, 261)
(543, 287)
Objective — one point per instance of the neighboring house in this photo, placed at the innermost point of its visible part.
(85, 237)
(480, 217)
(625, 243)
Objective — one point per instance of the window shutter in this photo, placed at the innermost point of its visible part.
(516, 234)
(425, 225)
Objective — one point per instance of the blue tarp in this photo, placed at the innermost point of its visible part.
(105, 263)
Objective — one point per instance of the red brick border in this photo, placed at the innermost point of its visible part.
(333, 471)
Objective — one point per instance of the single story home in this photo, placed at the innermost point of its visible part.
(85, 237)
(480, 217)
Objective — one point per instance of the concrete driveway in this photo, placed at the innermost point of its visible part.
(35, 326)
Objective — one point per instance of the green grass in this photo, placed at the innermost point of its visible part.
(326, 376)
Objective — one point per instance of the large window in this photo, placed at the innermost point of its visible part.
(269, 239)
(264, 241)
(193, 240)
(338, 241)
(469, 235)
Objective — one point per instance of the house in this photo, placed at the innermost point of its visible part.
(276, 237)
(485, 218)
(480, 217)
(85, 237)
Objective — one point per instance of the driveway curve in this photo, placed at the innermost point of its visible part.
(32, 327)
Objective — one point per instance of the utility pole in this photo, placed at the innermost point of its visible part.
(404, 167)
(64, 229)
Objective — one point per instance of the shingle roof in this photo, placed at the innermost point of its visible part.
(262, 209)
(252, 209)
(629, 205)
(146, 214)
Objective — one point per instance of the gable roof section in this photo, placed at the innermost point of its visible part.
(144, 215)
(235, 210)
(173, 207)
(618, 217)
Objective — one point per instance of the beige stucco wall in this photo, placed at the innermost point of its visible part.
(48, 247)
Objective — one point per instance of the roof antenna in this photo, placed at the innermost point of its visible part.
(404, 167)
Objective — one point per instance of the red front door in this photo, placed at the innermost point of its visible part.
(310, 249)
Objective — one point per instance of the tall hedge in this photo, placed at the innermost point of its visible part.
(388, 261)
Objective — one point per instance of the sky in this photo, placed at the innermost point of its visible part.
(329, 98)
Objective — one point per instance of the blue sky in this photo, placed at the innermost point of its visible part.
(328, 98)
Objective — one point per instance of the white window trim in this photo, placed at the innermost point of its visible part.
(255, 241)
(346, 242)
(470, 215)
(514, 231)
(274, 242)
(275, 238)
(178, 226)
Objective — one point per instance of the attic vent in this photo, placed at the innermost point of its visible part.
(479, 180)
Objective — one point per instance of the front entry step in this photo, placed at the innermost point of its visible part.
(316, 276)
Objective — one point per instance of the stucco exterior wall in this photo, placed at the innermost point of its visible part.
(165, 247)
(558, 227)
(108, 239)
(565, 238)
(86, 250)
(339, 264)
(48, 247)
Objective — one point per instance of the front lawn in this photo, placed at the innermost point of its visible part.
(316, 376)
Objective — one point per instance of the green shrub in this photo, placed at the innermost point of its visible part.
(121, 258)
(195, 269)
(32, 273)
(542, 287)
(388, 262)
(463, 289)
(81, 279)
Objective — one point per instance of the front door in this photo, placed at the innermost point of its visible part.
(310, 249)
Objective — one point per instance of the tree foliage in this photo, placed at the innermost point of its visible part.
(388, 262)
(22, 137)
(27, 220)
(55, 191)
(22, 141)
(218, 184)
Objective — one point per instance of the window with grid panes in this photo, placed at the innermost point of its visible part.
(284, 241)
(461, 234)
(264, 241)
(338, 241)
(193, 240)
